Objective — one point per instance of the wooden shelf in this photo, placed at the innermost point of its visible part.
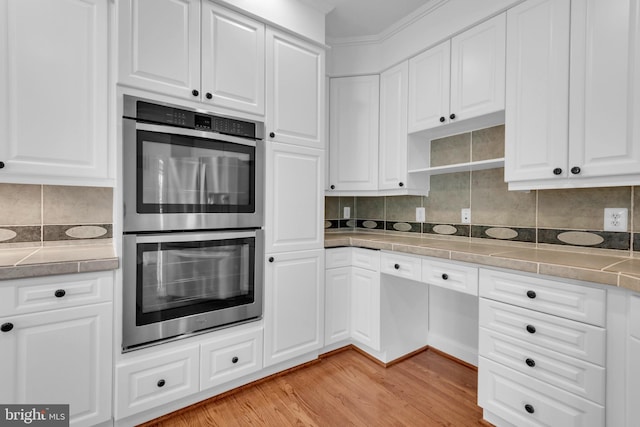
(461, 167)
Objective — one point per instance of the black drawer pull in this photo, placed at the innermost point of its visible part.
(445, 276)
(272, 134)
(397, 266)
(6, 327)
(234, 360)
(531, 329)
(195, 92)
(530, 362)
(442, 119)
(1, 165)
(529, 408)
(557, 171)
(575, 170)
(531, 294)
(161, 383)
(60, 293)
(271, 259)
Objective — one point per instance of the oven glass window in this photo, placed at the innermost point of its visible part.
(181, 279)
(179, 174)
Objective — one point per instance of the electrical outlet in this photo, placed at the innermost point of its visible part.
(615, 219)
(465, 216)
(420, 215)
(346, 212)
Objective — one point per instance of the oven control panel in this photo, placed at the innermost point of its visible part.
(163, 114)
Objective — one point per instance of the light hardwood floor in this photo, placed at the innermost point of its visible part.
(348, 389)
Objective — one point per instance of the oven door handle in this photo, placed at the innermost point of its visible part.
(193, 237)
(195, 133)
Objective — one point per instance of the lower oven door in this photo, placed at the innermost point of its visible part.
(180, 283)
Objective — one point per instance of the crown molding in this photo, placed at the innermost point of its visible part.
(395, 28)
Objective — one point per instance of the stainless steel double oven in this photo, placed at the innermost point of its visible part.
(193, 242)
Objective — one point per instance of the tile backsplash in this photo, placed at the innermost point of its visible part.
(42, 214)
(561, 217)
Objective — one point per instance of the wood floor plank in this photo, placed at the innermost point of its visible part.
(348, 389)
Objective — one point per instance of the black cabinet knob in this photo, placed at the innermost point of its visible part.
(208, 95)
(234, 360)
(6, 327)
(452, 116)
(529, 408)
(272, 135)
(397, 266)
(557, 171)
(531, 294)
(1, 165)
(195, 92)
(60, 293)
(531, 329)
(575, 170)
(271, 259)
(161, 383)
(530, 362)
(442, 119)
(401, 184)
(445, 276)
(333, 187)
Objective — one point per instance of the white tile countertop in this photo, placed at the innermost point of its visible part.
(23, 262)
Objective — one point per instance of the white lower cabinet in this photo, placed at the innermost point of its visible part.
(60, 351)
(365, 307)
(632, 370)
(294, 305)
(537, 368)
(337, 319)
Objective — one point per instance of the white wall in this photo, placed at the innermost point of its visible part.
(437, 24)
(292, 15)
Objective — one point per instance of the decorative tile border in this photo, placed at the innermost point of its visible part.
(407, 227)
(504, 233)
(446, 229)
(636, 242)
(77, 232)
(19, 234)
(369, 224)
(592, 239)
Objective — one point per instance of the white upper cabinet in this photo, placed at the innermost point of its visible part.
(54, 92)
(459, 79)
(210, 55)
(353, 141)
(232, 59)
(295, 91)
(393, 127)
(572, 94)
(536, 116)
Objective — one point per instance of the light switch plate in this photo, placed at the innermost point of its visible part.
(420, 215)
(346, 212)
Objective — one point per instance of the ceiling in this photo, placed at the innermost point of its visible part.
(353, 19)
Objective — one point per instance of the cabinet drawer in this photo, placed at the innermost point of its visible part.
(227, 358)
(525, 401)
(574, 375)
(634, 315)
(452, 276)
(338, 257)
(49, 293)
(586, 342)
(401, 266)
(581, 303)
(366, 258)
(153, 381)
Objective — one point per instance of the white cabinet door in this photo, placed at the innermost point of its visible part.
(633, 380)
(159, 46)
(53, 92)
(604, 130)
(365, 307)
(353, 142)
(232, 59)
(60, 356)
(429, 82)
(478, 70)
(294, 206)
(337, 324)
(294, 305)
(393, 127)
(537, 92)
(295, 91)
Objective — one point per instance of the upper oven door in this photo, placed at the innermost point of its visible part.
(179, 179)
